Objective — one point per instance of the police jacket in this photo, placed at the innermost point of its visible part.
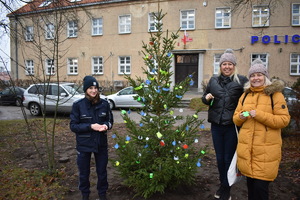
(226, 94)
(83, 115)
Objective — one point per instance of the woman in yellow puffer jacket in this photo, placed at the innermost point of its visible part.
(261, 114)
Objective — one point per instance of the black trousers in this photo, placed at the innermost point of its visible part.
(257, 189)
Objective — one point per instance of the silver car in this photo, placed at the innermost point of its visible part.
(38, 97)
(124, 99)
(291, 96)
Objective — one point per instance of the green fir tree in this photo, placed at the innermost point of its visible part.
(157, 153)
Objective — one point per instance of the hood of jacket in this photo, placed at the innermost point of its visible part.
(276, 86)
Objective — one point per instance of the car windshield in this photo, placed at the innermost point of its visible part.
(289, 93)
(71, 90)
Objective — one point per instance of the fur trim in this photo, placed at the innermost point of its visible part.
(276, 86)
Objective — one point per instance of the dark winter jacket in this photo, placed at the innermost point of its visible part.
(226, 94)
(82, 116)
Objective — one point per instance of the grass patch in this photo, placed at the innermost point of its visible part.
(18, 182)
(196, 104)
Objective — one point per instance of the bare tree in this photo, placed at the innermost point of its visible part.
(239, 6)
(47, 43)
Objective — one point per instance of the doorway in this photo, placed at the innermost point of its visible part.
(186, 64)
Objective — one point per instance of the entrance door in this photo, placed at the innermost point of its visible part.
(186, 64)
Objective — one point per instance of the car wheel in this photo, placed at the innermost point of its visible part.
(112, 104)
(18, 102)
(34, 109)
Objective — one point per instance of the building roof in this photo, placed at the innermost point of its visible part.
(39, 6)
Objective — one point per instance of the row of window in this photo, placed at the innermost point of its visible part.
(72, 65)
(294, 62)
(260, 18)
(124, 64)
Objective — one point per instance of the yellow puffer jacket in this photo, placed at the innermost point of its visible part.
(259, 140)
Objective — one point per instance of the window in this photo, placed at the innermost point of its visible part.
(295, 64)
(72, 28)
(124, 65)
(56, 90)
(72, 66)
(49, 33)
(50, 68)
(152, 66)
(124, 24)
(97, 65)
(296, 14)
(152, 22)
(97, 26)
(217, 63)
(29, 33)
(46, 3)
(29, 67)
(262, 57)
(223, 18)
(260, 16)
(187, 19)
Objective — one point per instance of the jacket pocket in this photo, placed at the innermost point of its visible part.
(84, 141)
(85, 118)
(102, 116)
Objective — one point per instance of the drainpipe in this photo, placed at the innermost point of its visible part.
(16, 47)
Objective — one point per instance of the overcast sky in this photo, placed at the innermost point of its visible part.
(4, 37)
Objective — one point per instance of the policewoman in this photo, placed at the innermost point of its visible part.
(91, 117)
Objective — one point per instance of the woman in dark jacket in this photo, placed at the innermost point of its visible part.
(91, 117)
(222, 95)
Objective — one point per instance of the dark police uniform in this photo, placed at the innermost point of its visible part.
(88, 141)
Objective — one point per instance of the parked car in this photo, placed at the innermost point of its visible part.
(47, 96)
(124, 99)
(290, 95)
(12, 95)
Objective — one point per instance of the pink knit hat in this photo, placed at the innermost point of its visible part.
(258, 66)
(228, 56)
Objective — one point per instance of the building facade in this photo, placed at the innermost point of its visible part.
(104, 38)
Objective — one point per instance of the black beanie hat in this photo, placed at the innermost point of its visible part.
(89, 81)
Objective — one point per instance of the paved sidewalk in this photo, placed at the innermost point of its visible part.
(177, 112)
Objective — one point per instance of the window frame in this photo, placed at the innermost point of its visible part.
(29, 67)
(260, 16)
(297, 64)
(49, 31)
(49, 67)
(72, 30)
(126, 67)
(188, 20)
(223, 18)
(155, 64)
(72, 64)
(295, 14)
(264, 57)
(152, 21)
(98, 27)
(99, 65)
(126, 25)
(29, 33)
(216, 64)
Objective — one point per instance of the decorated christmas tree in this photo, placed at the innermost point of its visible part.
(159, 151)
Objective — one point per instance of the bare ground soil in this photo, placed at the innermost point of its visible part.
(285, 187)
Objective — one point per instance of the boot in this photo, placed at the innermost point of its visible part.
(102, 197)
(85, 197)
